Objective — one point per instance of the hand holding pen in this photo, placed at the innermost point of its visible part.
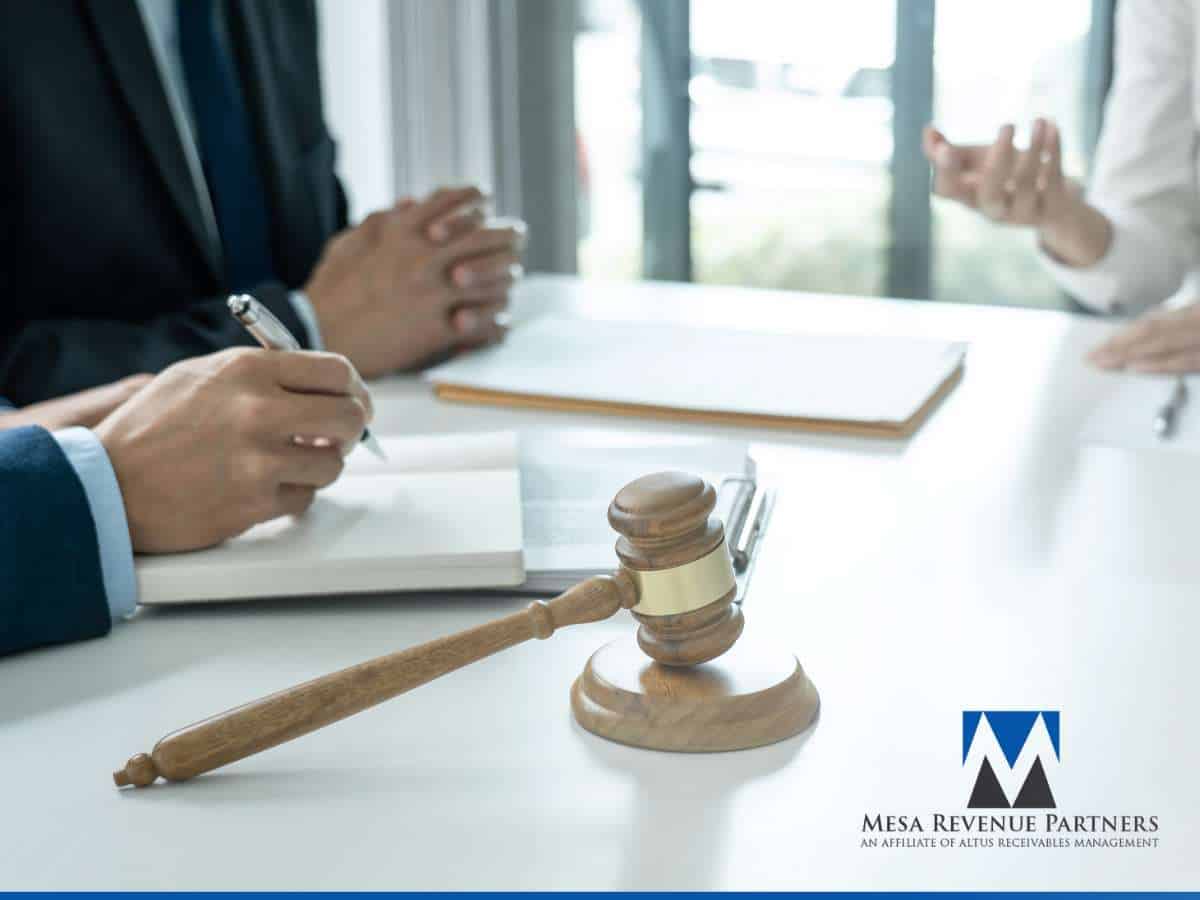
(272, 334)
(207, 449)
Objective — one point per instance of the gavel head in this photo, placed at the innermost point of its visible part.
(674, 551)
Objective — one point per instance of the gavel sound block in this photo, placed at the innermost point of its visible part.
(696, 691)
(691, 681)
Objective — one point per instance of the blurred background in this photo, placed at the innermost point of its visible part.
(773, 143)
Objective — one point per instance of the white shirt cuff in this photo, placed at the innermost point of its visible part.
(1099, 285)
(308, 318)
(1139, 270)
(87, 456)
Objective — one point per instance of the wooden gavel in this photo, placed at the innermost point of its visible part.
(675, 576)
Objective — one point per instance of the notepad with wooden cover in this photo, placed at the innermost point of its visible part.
(843, 384)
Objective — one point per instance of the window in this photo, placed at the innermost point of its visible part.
(791, 143)
(776, 142)
(608, 132)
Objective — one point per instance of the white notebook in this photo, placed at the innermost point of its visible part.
(442, 512)
(867, 384)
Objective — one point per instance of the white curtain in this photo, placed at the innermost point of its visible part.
(409, 96)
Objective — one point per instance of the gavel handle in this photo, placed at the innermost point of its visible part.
(270, 721)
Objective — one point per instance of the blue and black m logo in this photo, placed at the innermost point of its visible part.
(1010, 748)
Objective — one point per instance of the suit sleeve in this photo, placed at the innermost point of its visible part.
(51, 581)
(45, 358)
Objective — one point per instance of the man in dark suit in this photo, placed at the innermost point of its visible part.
(77, 501)
(158, 155)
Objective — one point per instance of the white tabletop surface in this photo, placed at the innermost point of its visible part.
(990, 562)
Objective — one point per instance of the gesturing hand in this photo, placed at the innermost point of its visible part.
(1017, 187)
(414, 281)
(85, 408)
(1157, 343)
(208, 448)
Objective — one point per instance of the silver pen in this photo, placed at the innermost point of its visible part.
(265, 328)
(1167, 416)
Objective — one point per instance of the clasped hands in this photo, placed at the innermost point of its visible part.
(416, 281)
(1028, 188)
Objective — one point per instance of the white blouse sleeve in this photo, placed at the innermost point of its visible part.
(1144, 176)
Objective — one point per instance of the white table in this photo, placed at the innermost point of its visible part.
(989, 562)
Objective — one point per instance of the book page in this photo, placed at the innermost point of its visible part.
(450, 520)
(437, 453)
(570, 476)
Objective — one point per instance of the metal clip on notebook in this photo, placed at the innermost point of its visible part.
(743, 504)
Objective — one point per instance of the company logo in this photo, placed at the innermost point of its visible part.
(1009, 760)
(1011, 751)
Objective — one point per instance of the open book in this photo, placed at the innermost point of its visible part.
(569, 477)
(442, 512)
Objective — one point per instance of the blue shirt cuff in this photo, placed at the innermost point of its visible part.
(308, 318)
(90, 461)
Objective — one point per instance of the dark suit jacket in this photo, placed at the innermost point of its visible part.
(51, 584)
(105, 266)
